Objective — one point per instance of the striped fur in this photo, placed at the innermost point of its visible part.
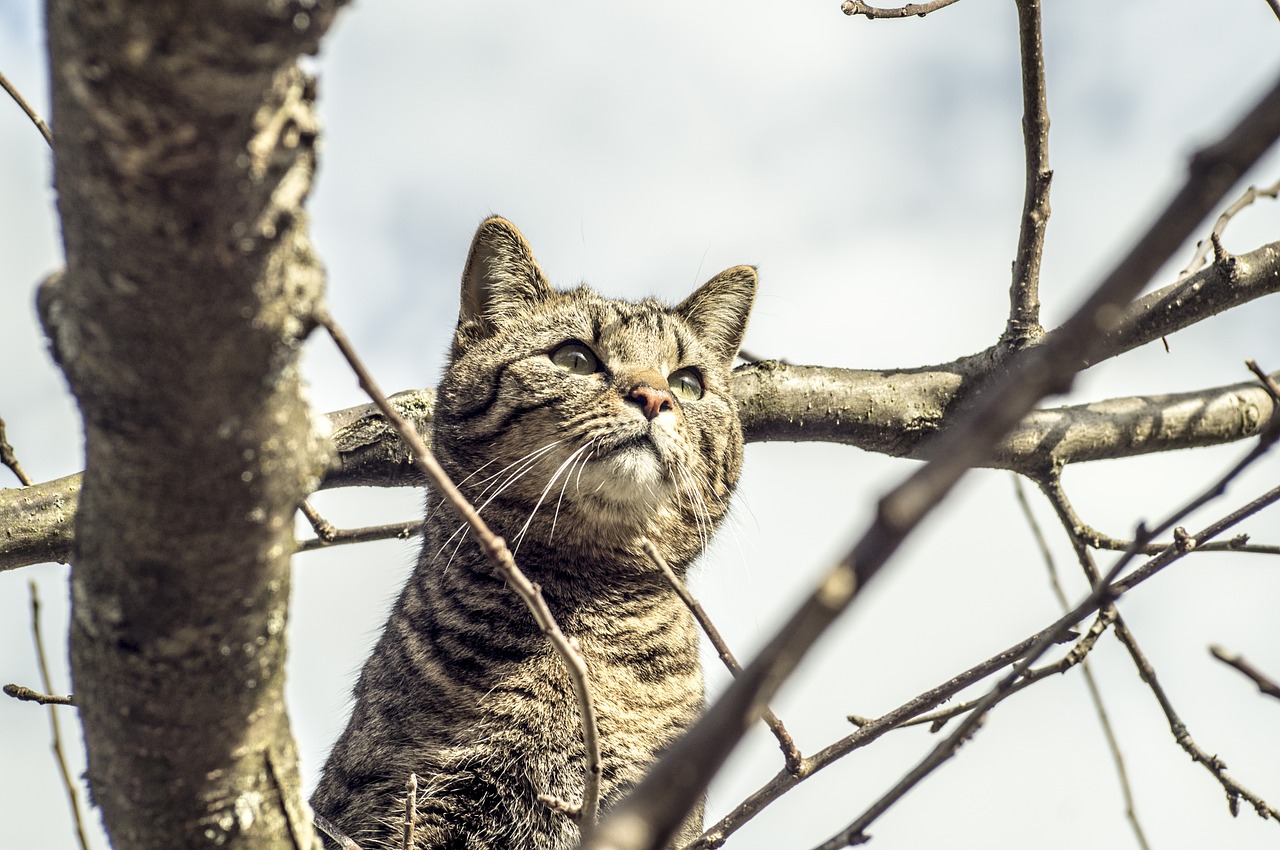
(462, 688)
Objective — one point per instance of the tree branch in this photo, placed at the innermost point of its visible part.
(1219, 227)
(1023, 326)
(55, 729)
(1265, 684)
(911, 10)
(9, 459)
(802, 403)
(1086, 670)
(26, 107)
(869, 731)
(648, 817)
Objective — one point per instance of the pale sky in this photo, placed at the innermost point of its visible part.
(873, 171)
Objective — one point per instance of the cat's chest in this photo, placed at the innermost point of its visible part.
(643, 672)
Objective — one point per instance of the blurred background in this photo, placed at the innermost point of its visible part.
(873, 171)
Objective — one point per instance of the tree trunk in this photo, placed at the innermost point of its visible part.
(184, 147)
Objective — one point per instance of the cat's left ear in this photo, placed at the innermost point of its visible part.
(502, 280)
(719, 309)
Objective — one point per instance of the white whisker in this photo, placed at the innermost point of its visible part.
(581, 465)
(567, 463)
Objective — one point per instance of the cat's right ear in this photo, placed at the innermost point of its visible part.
(502, 280)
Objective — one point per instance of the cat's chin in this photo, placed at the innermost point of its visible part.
(630, 476)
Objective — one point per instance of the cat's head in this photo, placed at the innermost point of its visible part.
(567, 416)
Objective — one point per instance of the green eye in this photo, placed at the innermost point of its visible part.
(686, 384)
(575, 358)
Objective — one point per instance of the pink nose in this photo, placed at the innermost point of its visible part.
(652, 401)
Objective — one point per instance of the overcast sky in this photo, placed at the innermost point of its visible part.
(873, 171)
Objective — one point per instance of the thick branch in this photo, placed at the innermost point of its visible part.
(369, 453)
(184, 140)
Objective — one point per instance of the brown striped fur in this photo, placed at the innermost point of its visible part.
(572, 469)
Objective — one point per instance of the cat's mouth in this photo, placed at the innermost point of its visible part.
(629, 465)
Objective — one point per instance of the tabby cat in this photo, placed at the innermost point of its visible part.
(578, 425)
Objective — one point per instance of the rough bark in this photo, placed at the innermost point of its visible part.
(184, 148)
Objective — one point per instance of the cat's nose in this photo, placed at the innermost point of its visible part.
(651, 399)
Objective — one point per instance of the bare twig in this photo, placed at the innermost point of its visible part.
(339, 837)
(560, 805)
(7, 457)
(293, 819)
(1024, 291)
(410, 813)
(25, 694)
(1095, 693)
(1180, 548)
(1213, 764)
(1068, 517)
(1101, 598)
(342, 536)
(911, 10)
(1268, 381)
(26, 107)
(495, 548)
(1250, 195)
(1239, 543)
(650, 815)
(936, 720)
(716, 835)
(791, 753)
(855, 833)
(325, 530)
(1265, 683)
(68, 781)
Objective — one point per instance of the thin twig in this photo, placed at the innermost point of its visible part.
(911, 10)
(1023, 325)
(9, 459)
(1252, 194)
(1235, 791)
(1213, 764)
(287, 801)
(496, 549)
(325, 530)
(326, 826)
(407, 837)
(1272, 387)
(68, 782)
(855, 833)
(1095, 693)
(790, 752)
(26, 107)
(560, 805)
(21, 692)
(342, 536)
(1265, 683)
(936, 720)
(1239, 543)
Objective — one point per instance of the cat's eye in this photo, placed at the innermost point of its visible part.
(576, 358)
(686, 384)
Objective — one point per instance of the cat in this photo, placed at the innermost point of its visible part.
(578, 425)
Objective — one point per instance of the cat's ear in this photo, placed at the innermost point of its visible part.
(501, 279)
(719, 309)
